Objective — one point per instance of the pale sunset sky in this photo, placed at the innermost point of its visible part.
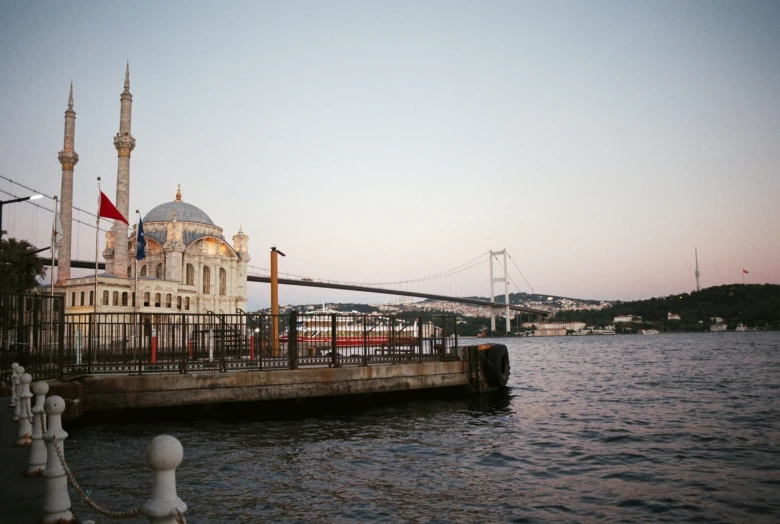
(599, 142)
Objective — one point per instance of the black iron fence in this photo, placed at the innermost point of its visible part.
(31, 331)
(56, 345)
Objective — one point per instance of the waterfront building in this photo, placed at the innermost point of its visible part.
(672, 316)
(189, 266)
(627, 319)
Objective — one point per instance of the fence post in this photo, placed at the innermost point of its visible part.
(455, 331)
(154, 345)
(164, 454)
(56, 502)
(420, 334)
(292, 340)
(365, 341)
(61, 336)
(392, 337)
(334, 359)
(37, 462)
(14, 367)
(25, 428)
(18, 389)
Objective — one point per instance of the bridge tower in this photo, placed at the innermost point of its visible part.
(505, 280)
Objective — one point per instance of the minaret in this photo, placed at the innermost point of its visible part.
(68, 158)
(124, 143)
(696, 254)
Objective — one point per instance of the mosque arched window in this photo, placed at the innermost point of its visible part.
(168, 300)
(157, 299)
(105, 297)
(178, 303)
(146, 299)
(143, 270)
(190, 281)
(133, 298)
(73, 299)
(222, 281)
(82, 299)
(158, 271)
(124, 298)
(186, 303)
(116, 298)
(129, 271)
(206, 280)
(91, 298)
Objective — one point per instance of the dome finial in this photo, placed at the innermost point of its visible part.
(178, 194)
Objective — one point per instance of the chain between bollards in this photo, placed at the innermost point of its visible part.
(113, 514)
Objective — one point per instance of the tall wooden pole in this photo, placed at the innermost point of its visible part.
(275, 301)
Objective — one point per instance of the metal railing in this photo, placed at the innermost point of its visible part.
(31, 331)
(60, 345)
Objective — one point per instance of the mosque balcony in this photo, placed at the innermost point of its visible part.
(124, 142)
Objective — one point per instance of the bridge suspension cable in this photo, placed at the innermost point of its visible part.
(521, 273)
(481, 259)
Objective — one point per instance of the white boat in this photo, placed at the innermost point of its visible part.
(649, 331)
(740, 327)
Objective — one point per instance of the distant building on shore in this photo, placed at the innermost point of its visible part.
(627, 319)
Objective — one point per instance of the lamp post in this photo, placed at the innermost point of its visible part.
(275, 301)
(15, 200)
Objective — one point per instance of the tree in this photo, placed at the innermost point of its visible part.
(20, 268)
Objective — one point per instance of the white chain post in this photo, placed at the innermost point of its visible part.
(37, 462)
(17, 387)
(56, 502)
(25, 428)
(164, 454)
(13, 385)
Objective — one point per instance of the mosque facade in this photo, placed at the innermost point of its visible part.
(189, 266)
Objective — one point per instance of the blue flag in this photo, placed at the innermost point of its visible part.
(140, 248)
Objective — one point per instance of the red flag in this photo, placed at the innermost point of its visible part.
(746, 271)
(108, 210)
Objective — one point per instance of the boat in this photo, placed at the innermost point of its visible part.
(740, 327)
(649, 331)
(352, 331)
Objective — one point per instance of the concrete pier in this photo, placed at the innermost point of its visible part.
(112, 392)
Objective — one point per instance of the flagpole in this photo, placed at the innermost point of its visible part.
(97, 231)
(137, 340)
(137, 218)
(51, 302)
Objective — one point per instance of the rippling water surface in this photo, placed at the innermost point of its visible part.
(632, 428)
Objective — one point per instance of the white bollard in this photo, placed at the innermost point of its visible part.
(13, 385)
(17, 407)
(25, 428)
(56, 502)
(164, 454)
(37, 462)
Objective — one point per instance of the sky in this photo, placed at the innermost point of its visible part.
(600, 143)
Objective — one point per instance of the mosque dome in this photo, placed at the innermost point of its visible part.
(184, 212)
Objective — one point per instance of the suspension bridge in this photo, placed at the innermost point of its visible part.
(40, 229)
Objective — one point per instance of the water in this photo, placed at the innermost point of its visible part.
(621, 428)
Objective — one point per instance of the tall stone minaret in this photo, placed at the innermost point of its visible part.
(124, 143)
(68, 158)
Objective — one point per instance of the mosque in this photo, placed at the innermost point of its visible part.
(189, 266)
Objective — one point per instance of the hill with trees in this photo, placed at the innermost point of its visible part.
(754, 305)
